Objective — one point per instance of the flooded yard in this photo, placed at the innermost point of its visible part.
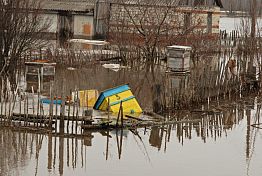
(218, 136)
(215, 129)
(218, 142)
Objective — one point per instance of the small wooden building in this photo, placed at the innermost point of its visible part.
(69, 19)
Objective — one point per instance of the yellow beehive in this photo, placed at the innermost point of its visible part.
(114, 97)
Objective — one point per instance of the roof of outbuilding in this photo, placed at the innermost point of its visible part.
(148, 2)
(68, 5)
(87, 5)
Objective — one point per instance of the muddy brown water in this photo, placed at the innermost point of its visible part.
(218, 144)
(215, 144)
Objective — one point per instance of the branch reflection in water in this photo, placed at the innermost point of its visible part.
(29, 149)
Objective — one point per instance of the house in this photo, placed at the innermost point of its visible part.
(129, 16)
(90, 19)
(69, 18)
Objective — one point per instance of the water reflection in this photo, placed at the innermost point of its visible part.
(155, 138)
(207, 134)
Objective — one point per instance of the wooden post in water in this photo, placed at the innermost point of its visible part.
(38, 109)
(51, 106)
(107, 144)
(10, 98)
(117, 143)
(72, 151)
(33, 101)
(73, 118)
(119, 114)
(5, 101)
(41, 113)
(121, 141)
(85, 101)
(56, 113)
(14, 102)
(157, 104)
(24, 102)
(1, 93)
(67, 152)
(62, 115)
(54, 160)
(76, 152)
(77, 110)
(69, 105)
(61, 156)
(108, 110)
(33, 105)
(122, 115)
(49, 163)
(27, 108)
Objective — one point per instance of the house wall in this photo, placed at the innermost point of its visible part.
(83, 26)
(205, 19)
(89, 25)
(53, 21)
(210, 19)
(52, 18)
(197, 2)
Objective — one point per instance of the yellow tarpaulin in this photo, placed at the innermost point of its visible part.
(87, 98)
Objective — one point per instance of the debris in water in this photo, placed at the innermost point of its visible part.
(114, 67)
(71, 68)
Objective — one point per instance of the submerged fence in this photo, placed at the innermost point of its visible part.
(234, 70)
(34, 110)
(70, 57)
(58, 153)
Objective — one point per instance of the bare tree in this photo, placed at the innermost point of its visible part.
(21, 29)
(149, 26)
(253, 14)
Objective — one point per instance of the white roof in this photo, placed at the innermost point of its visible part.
(90, 42)
(179, 47)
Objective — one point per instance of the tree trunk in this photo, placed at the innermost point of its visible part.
(253, 13)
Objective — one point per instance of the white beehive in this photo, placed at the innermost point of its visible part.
(178, 58)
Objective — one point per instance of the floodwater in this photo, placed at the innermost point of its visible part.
(216, 143)
(218, 140)
(235, 23)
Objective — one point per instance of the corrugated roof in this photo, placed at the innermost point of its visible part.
(161, 2)
(148, 2)
(87, 5)
(68, 5)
